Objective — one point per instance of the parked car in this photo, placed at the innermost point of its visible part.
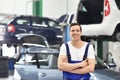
(44, 26)
(34, 66)
(99, 19)
(26, 64)
(41, 63)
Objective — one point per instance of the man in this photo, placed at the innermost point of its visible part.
(71, 58)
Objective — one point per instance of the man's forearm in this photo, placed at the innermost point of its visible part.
(87, 69)
(71, 66)
(65, 66)
(82, 70)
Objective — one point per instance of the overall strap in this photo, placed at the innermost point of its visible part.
(68, 52)
(86, 52)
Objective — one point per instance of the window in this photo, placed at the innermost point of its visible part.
(23, 21)
(6, 19)
(25, 59)
(54, 24)
(39, 22)
(90, 11)
(118, 3)
(44, 60)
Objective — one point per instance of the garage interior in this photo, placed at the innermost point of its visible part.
(107, 50)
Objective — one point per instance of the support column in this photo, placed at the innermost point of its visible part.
(66, 33)
(37, 7)
(1, 49)
(100, 48)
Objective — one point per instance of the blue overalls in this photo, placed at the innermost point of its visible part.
(73, 76)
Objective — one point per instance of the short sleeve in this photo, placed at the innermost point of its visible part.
(63, 49)
(91, 52)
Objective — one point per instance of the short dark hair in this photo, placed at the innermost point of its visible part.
(73, 24)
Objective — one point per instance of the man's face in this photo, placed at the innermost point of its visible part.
(75, 32)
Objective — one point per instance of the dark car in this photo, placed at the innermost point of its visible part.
(44, 26)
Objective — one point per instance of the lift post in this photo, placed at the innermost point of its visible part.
(100, 48)
(66, 33)
(0, 49)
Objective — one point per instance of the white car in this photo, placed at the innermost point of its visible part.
(99, 19)
(41, 64)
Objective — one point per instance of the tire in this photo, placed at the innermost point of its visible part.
(4, 71)
(9, 45)
(117, 36)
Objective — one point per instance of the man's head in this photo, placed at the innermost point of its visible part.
(77, 24)
(75, 31)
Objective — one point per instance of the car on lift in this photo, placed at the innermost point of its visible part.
(99, 19)
(12, 25)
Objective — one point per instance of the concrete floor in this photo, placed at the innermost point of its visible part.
(114, 48)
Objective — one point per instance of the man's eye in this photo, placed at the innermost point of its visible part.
(77, 30)
(72, 30)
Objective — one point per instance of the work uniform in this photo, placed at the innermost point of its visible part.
(76, 55)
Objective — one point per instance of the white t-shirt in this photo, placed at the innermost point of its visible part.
(77, 54)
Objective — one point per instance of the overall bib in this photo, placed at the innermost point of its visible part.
(73, 76)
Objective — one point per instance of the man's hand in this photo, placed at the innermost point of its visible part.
(64, 59)
(65, 66)
(84, 63)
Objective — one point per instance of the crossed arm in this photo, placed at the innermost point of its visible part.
(83, 67)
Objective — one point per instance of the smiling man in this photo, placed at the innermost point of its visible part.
(76, 58)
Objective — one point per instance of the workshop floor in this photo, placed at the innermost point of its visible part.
(114, 48)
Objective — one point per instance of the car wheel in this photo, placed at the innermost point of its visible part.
(9, 45)
(4, 70)
(118, 36)
(15, 45)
